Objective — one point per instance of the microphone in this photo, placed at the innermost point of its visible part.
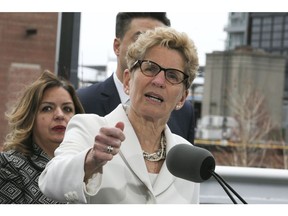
(196, 164)
(190, 162)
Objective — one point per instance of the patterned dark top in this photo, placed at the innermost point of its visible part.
(19, 177)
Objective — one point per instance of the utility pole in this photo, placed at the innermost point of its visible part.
(69, 47)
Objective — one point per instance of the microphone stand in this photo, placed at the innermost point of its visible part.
(226, 186)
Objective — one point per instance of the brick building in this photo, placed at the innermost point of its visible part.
(28, 43)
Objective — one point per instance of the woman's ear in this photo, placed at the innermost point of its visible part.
(184, 96)
(182, 99)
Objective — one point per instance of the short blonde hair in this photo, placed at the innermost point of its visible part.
(169, 38)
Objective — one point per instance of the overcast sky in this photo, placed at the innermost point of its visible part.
(98, 30)
(203, 20)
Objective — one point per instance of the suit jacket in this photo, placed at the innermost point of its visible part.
(102, 98)
(125, 178)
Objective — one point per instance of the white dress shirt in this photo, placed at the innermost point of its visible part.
(119, 85)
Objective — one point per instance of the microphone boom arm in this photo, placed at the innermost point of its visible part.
(225, 185)
(196, 164)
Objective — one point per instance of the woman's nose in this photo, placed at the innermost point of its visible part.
(159, 79)
(59, 114)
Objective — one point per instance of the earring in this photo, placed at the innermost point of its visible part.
(127, 91)
(178, 107)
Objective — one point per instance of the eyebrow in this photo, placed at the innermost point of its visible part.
(52, 103)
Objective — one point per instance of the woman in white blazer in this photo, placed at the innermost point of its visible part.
(120, 158)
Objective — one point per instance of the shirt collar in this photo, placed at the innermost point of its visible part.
(39, 157)
(119, 85)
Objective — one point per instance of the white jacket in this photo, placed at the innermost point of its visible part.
(124, 179)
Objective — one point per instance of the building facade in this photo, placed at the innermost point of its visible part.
(266, 31)
(230, 71)
(28, 46)
(237, 30)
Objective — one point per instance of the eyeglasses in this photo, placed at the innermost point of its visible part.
(151, 69)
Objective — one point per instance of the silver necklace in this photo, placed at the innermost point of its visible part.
(160, 154)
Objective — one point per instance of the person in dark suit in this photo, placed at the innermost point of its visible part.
(101, 98)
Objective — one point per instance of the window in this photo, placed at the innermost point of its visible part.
(278, 20)
(267, 28)
(286, 34)
(255, 36)
(276, 43)
(267, 20)
(255, 44)
(277, 27)
(266, 35)
(265, 44)
(256, 21)
(256, 29)
(276, 35)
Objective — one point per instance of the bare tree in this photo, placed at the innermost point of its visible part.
(255, 126)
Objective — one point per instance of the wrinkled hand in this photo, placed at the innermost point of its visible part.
(99, 154)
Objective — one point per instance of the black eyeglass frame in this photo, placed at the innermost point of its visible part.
(139, 62)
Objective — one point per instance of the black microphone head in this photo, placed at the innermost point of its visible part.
(190, 162)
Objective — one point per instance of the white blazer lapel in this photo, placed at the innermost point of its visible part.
(130, 150)
(165, 178)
